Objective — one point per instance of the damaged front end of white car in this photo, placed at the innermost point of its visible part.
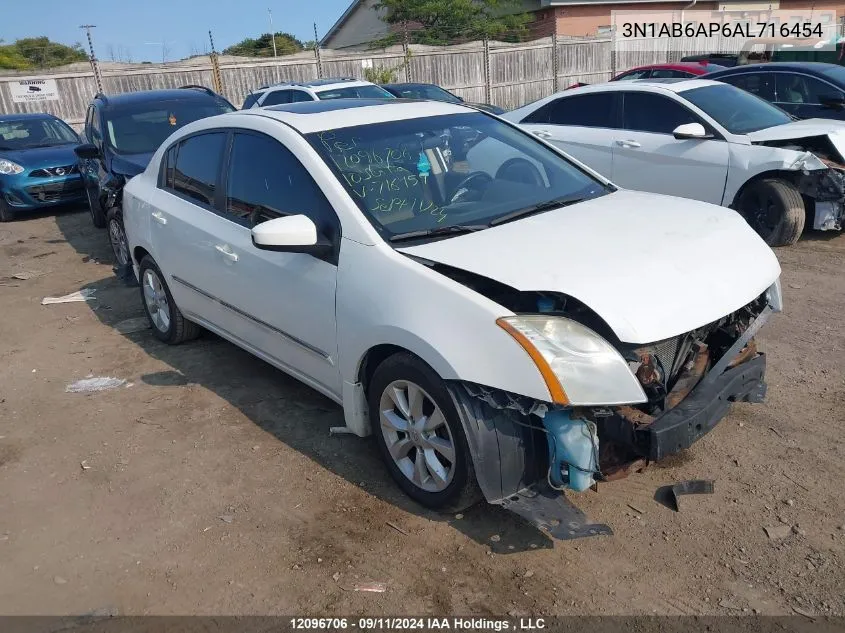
(671, 393)
(820, 169)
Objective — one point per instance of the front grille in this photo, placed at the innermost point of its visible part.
(55, 191)
(51, 172)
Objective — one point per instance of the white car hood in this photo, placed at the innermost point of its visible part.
(651, 266)
(834, 130)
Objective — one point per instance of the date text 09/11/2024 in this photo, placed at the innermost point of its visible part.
(751, 30)
(418, 624)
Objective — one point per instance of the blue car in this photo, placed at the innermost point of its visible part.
(38, 168)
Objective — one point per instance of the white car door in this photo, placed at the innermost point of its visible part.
(281, 305)
(647, 157)
(581, 125)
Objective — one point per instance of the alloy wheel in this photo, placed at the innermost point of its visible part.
(155, 298)
(417, 436)
(119, 245)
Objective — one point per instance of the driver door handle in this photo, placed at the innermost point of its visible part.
(628, 143)
(158, 216)
(544, 134)
(227, 252)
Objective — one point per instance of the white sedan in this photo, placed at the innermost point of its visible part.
(493, 332)
(707, 141)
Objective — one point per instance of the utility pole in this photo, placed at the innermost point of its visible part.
(272, 33)
(95, 66)
(317, 53)
(216, 79)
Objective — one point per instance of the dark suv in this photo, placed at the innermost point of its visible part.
(121, 134)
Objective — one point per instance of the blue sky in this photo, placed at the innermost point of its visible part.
(138, 27)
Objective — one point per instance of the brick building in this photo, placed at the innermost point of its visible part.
(361, 22)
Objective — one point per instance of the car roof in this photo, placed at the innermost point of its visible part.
(674, 66)
(669, 84)
(813, 68)
(317, 116)
(24, 116)
(317, 85)
(143, 96)
(413, 84)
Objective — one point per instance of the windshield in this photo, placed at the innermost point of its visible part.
(355, 92)
(31, 133)
(737, 111)
(141, 129)
(436, 173)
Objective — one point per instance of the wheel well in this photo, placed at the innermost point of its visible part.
(374, 357)
(139, 254)
(780, 174)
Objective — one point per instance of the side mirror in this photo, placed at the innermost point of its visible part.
(833, 101)
(290, 234)
(690, 130)
(87, 151)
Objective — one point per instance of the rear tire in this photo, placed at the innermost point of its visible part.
(166, 320)
(429, 460)
(775, 209)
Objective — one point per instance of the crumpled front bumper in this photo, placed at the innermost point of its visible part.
(695, 416)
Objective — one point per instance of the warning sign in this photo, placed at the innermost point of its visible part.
(34, 90)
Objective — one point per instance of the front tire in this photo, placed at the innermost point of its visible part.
(117, 238)
(166, 320)
(6, 214)
(98, 215)
(775, 209)
(420, 435)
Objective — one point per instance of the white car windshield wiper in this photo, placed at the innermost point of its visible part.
(537, 208)
(441, 230)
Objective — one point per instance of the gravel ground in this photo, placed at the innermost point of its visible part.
(208, 483)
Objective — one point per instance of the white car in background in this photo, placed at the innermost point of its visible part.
(492, 332)
(316, 90)
(704, 140)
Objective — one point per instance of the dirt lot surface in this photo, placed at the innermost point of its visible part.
(209, 483)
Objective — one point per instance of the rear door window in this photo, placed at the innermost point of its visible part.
(300, 95)
(649, 112)
(197, 168)
(590, 110)
(277, 97)
(760, 84)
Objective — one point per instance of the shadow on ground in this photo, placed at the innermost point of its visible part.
(273, 401)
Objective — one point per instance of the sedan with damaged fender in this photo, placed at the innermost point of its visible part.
(707, 141)
(508, 332)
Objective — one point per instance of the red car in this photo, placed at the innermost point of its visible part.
(664, 71)
(669, 71)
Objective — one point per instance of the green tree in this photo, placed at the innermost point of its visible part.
(263, 46)
(40, 52)
(440, 22)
